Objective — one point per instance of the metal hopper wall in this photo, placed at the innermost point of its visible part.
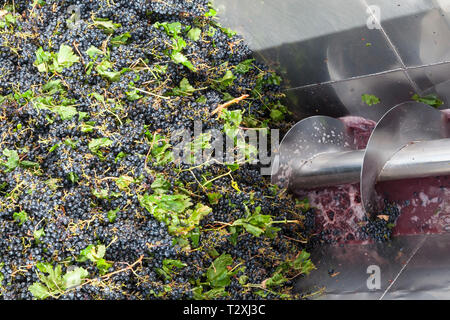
(329, 56)
(330, 53)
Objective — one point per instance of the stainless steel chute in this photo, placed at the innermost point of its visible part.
(330, 53)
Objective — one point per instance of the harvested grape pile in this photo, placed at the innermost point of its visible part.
(92, 205)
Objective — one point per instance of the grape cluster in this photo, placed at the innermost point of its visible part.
(380, 230)
(89, 98)
(60, 195)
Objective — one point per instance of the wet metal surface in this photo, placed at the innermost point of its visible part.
(403, 124)
(411, 267)
(415, 160)
(342, 98)
(424, 204)
(418, 30)
(427, 275)
(308, 138)
(332, 52)
(408, 142)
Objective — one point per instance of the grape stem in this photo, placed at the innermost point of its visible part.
(220, 108)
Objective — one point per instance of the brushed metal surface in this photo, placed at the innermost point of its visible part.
(427, 77)
(433, 79)
(343, 98)
(305, 140)
(330, 169)
(407, 122)
(325, 52)
(418, 160)
(418, 29)
(411, 267)
(415, 160)
(325, 49)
